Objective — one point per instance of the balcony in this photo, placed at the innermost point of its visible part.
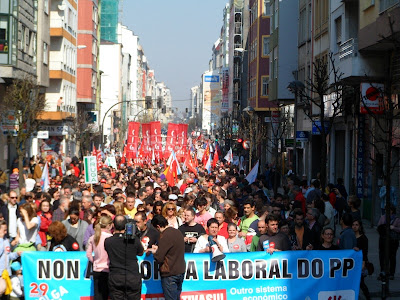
(352, 64)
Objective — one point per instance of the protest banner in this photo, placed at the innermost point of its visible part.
(246, 276)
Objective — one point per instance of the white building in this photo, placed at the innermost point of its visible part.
(111, 87)
(61, 93)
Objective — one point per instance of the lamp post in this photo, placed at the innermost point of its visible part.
(295, 87)
(250, 111)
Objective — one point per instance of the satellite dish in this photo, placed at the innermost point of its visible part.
(62, 6)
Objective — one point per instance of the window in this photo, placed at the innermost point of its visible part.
(26, 39)
(46, 6)
(265, 46)
(276, 62)
(267, 8)
(265, 87)
(303, 26)
(338, 30)
(3, 34)
(276, 14)
(45, 53)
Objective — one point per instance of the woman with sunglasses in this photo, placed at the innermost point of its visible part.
(327, 236)
(171, 214)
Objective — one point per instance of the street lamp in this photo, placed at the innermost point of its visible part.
(295, 87)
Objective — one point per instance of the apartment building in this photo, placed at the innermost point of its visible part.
(61, 94)
(88, 42)
(20, 22)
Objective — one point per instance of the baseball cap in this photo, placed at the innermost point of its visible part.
(188, 190)
(103, 181)
(173, 197)
(15, 266)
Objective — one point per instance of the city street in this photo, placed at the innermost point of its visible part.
(373, 284)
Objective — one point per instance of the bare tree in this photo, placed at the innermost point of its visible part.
(385, 134)
(25, 103)
(323, 103)
(83, 132)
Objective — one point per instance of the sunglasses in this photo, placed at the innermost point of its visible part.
(170, 208)
(13, 197)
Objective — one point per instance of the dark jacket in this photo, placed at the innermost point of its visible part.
(4, 210)
(171, 253)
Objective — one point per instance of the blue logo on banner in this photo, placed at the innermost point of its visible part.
(211, 78)
(247, 275)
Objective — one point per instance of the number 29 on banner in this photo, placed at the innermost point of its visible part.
(41, 292)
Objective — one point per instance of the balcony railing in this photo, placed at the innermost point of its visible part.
(386, 4)
(348, 49)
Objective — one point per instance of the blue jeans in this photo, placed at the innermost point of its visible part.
(172, 286)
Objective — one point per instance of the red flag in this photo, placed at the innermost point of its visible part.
(215, 160)
(146, 143)
(206, 155)
(156, 140)
(99, 160)
(170, 174)
(189, 164)
(94, 152)
(133, 139)
(182, 141)
(171, 139)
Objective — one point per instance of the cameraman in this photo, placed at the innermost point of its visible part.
(124, 280)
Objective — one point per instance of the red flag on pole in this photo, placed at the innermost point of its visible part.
(171, 139)
(189, 164)
(146, 143)
(215, 160)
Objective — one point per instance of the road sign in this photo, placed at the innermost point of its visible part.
(246, 144)
(316, 127)
(302, 136)
(90, 163)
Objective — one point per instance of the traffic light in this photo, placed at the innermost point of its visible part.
(148, 102)
(159, 102)
(240, 141)
(187, 110)
(164, 110)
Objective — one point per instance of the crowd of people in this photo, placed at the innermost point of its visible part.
(71, 215)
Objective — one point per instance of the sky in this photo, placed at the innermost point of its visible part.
(177, 37)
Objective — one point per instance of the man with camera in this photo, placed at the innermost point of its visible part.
(123, 247)
(170, 254)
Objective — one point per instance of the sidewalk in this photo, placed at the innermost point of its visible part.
(373, 255)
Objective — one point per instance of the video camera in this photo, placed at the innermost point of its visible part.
(131, 230)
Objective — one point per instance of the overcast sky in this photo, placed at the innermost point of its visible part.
(177, 37)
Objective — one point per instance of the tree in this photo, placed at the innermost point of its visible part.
(83, 132)
(385, 135)
(280, 126)
(25, 103)
(322, 103)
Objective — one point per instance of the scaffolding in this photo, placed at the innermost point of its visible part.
(109, 20)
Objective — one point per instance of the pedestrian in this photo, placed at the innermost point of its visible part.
(235, 244)
(362, 244)
(190, 230)
(302, 236)
(170, 255)
(96, 254)
(347, 238)
(45, 216)
(14, 180)
(382, 196)
(273, 240)
(203, 244)
(393, 242)
(27, 229)
(124, 279)
(61, 241)
(327, 236)
(75, 226)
